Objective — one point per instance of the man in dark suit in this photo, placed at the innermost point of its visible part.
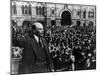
(36, 57)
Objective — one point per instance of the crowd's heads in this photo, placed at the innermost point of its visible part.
(75, 37)
(26, 26)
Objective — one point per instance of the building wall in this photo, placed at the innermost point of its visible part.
(53, 12)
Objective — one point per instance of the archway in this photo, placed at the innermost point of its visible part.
(66, 18)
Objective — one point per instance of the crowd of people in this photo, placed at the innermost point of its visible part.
(78, 41)
(70, 46)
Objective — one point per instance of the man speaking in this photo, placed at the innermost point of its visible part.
(36, 57)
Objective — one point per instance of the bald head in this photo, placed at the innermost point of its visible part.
(39, 28)
(38, 25)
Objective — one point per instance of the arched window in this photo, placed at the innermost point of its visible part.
(84, 13)
(66, 18)
(22, 7)
(25, 10)
(14, 10)
(37, 10)
(74, 13)
(91, 13)
(79, 13)
(40, 10)
(52, 11)
(43, 11)
(30, 10)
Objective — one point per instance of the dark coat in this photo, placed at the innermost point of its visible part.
(29, 57)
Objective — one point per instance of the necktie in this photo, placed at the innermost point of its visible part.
(40, 42)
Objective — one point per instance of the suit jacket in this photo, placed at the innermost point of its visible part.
(28, 61)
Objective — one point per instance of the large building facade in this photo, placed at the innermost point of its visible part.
(53, 13)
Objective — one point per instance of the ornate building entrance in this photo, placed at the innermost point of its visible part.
(66, 18)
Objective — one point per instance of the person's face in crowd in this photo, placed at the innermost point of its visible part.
(26, 26)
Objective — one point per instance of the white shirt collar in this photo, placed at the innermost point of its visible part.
(37, 38)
